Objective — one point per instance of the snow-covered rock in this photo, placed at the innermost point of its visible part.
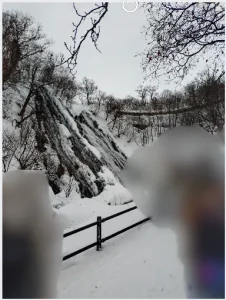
(69, 143)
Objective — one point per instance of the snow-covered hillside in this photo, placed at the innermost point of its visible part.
(73, 147)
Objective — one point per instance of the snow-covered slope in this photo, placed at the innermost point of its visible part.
(74, 149)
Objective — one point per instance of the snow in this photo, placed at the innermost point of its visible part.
(76, 109)
(115, 195)
(67, 115)
(64, 131)
(102, 122)
(7, 125)
(70, 188)
(128, 148)
(107, 175)
(77, 210)
(140, 263)
(93, 149)
(74, 126)
(10, 108)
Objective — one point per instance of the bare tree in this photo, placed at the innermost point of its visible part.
(111, 106)
(101, 96)
(146, 93)
(202, 91)
(37, 70)
(88, 90)
(99, 101)
(142, 92)
(21, 39)
(9, 148)
(20, 147)
(43, 70)
(179, 34)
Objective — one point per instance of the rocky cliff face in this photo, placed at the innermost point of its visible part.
(72, 143)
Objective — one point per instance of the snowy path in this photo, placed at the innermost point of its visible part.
(140, 263)
(88, 236)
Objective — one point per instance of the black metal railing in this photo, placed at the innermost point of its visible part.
(99, 238)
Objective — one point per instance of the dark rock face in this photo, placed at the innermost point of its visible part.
(74, 144)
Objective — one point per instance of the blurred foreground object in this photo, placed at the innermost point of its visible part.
(178, 181)
(32, 237)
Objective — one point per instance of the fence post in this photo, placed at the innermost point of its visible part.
(98, 233)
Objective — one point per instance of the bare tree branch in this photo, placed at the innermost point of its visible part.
(93, 32)
(178, 35)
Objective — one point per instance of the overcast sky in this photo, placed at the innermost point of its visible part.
(116, 70)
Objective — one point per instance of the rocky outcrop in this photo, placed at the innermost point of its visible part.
(73, 142)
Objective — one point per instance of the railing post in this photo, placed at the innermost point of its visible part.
(98, 233)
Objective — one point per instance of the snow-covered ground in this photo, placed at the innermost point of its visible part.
(128, 148)
(140, 263)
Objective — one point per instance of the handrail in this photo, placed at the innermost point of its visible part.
(95, 223)
(99, 230)
(80, 229)
(124, 230)
(79, 251)
(118, 214)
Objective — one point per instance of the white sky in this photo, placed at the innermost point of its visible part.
(115, 70)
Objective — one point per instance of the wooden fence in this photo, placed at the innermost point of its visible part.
(99, 239)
